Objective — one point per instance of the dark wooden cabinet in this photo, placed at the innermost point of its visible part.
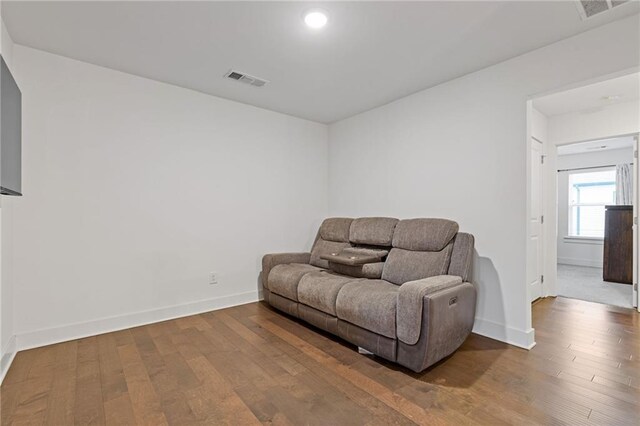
(618, 244)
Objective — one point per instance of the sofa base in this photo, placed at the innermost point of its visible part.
(282, 304)
(446, 325)
(310, 315)
(319, 319)
(379, 345)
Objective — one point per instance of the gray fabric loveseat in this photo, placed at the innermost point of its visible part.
(397, 288)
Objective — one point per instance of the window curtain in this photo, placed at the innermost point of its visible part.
(624, 184)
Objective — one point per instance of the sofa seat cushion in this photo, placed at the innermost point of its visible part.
(370, 304)
(319, 290)
(284, 279)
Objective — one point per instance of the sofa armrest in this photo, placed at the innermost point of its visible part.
(273, 259)
(410, 303)
(447, 320)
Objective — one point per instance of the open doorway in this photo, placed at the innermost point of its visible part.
(582, 192)
(595, 200)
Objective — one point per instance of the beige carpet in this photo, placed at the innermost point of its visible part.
(584, 283)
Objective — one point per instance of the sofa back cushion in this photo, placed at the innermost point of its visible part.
(333, 236)
(421, 248)
(407, 265)
(335, 229)
(372, 231)
(424, 234)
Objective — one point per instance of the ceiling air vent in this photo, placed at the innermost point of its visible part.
(589, 8)
(246, 78)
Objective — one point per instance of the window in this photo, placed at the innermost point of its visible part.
(588, 194)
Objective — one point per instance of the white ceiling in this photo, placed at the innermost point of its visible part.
(596, 146)
(369, 54)
(594, 96)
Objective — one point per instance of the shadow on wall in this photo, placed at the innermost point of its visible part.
(260, 288)
(490, 298)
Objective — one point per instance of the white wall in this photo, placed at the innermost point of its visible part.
(459, 150)
(540, 125)
(596, 159)
(613, 120)
(7, 341)
(573, 251)
(135, 190)
(6, 43)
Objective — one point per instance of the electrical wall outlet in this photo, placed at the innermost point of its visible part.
(213, 278)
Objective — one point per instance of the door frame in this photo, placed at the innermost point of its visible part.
(548, 284)
(550, 254)
(543, 226)
(550, 189)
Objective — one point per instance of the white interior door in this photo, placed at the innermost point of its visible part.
(535, 223)
(635, 223)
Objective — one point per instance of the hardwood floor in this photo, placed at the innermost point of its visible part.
(249, 365)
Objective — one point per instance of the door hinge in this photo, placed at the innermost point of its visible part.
(635, 286)
(635, 154)
(541, 279)
(542, 159)
(542, 220)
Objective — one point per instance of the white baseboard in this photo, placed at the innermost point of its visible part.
(48, 336)
(580, 262)
(7, 354)
(520, 338)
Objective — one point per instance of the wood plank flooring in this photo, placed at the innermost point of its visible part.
(252, 365)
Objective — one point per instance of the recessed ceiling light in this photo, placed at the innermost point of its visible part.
(316, 18)
(611, 98)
